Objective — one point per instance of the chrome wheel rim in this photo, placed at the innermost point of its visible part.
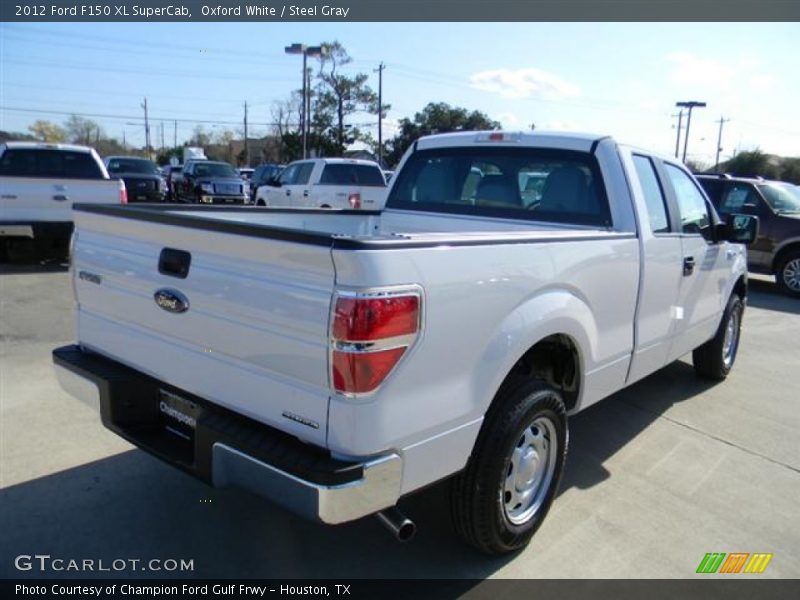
(791, 275)
(530, 470)
(731, 340)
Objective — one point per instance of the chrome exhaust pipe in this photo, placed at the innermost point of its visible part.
(401, 526)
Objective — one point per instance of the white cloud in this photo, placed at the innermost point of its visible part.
(694, 70)
(524, 83)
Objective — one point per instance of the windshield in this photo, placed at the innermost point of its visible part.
(131, 165)
(214, 170)
(782, 197)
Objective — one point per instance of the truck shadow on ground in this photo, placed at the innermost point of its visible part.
(130, 505)
(765, 294)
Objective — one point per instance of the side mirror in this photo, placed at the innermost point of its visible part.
(274, 182)
(740, 229)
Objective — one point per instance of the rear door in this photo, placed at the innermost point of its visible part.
(705, 264)
(661, 267)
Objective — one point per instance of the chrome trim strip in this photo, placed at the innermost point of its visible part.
(79, 387)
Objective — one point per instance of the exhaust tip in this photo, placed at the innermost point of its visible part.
(395, 521)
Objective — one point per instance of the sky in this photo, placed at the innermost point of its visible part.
(616, 79)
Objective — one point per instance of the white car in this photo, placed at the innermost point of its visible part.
(334, 362)
(342, 183)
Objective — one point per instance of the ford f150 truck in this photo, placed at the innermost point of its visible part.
(344, 183)
(335, 362)
(38, 185)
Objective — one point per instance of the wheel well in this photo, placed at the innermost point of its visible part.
(555, 360)
(793, 247)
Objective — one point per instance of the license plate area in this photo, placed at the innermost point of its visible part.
(177, 415)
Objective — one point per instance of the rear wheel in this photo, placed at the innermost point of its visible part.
(787, 275)
(501, 498)
(715, 358)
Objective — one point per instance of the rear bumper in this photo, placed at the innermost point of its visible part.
(228, 449)
(217, 199)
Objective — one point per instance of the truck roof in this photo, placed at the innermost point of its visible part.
(543, 139)
(46, 146)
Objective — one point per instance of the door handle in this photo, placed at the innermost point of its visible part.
(60, 197)
(305, 193)
(688, 266)
(8, 197)
(288, 192)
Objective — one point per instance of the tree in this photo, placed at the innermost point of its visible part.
(200, 137)
(336, 97)
(436, 117)
(753, 163)
(83, 131)
(46, 131)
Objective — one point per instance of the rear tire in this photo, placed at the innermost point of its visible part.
(715, 359)
(501, 498)
(787, 275)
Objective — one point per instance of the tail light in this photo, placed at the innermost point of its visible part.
(370, 333)
(123, 193)
(354, 200)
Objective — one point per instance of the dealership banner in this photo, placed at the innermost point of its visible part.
(397, 10)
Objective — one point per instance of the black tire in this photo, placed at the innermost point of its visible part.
(481, 505)
(787, 273)
(261, 202)
(715, 359)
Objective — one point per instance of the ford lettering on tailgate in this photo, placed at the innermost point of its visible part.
(171, 300)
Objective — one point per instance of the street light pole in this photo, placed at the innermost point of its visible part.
(306, 51)
(690, 104)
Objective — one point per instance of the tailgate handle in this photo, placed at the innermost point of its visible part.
(60, 197)
(174, 263)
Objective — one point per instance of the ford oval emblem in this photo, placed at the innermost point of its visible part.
(171, 300)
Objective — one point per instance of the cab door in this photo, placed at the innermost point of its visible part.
(705, 264)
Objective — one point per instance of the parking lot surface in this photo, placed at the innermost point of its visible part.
(657, 476)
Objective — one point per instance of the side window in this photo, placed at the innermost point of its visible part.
(287, 177)
(736, 196)
(303, 173)
(691, 203)
(653, 195)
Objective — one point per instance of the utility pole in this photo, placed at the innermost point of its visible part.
(721, 122)
(124, 145)
(175, 134)
(678, 135)
(380, 69)
(146, 129)
(162, 135)
(690, 104)
(246, 145)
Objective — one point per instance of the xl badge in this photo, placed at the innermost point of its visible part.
(171, 300)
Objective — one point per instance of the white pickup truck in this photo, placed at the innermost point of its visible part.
(335, 362)
(344, 183)
(40, 182)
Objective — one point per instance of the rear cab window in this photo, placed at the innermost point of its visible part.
(352, 174)
(534, 184)
(55, 164)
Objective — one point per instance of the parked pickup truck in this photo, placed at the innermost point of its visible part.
(326, 183)
(334, 362)
(210, 182)
(38, 185)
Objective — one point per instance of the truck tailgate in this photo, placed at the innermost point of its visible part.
(254, 336)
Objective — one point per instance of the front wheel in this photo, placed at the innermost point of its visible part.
(715, 358)
(787, 275)
(501, 498)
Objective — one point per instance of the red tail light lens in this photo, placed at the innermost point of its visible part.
(370, 335)
(123, 194)
(358, 373)
(369, 319)
(354, 200)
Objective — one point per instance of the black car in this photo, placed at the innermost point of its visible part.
(262, 175)
(210, 182)
(143, 180)
(776, 250)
